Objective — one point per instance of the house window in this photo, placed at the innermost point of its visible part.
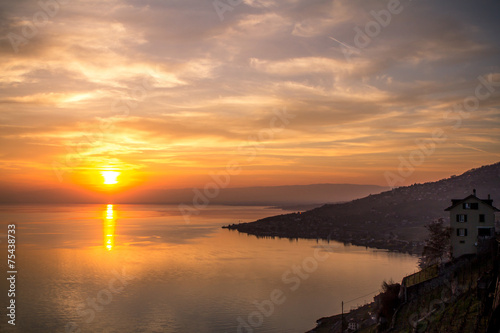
(462, 242)
(482, 218)
(484, 232)
(462, 232)
(470, 205)
(461, 217)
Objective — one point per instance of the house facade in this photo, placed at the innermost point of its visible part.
(472, 221)
(353, 325)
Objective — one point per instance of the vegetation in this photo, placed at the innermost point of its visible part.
(389, 302)
(437, 247)
(454, 305)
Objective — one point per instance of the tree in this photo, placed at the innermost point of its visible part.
(437, 247)
(389, 302)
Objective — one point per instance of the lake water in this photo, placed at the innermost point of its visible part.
(143, 268)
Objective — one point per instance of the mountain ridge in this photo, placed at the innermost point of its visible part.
(393, 219)
(284, 195)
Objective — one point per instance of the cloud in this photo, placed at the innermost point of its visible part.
(183, 88)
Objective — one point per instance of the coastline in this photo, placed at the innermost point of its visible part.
(346, 236)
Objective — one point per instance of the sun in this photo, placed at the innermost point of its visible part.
(110, 177)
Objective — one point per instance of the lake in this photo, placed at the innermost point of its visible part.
(144, 268)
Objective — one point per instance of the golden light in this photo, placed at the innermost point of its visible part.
(109, 228)
(110, 177)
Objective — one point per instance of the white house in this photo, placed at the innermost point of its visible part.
(472, 220)
(353, 325)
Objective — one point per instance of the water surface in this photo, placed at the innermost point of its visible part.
(143, 268)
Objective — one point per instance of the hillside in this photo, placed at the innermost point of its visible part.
(392, 220)
(267, 195)
(461, 297)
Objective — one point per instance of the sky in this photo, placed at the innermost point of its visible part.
(180, 93)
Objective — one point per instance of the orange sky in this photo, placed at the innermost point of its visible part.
(168, 93)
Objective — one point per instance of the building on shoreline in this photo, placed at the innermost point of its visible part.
(472, 222)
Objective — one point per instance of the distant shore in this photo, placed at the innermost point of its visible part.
(281, 229)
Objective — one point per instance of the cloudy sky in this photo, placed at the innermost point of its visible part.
(290, 91)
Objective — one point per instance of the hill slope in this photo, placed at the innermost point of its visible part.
(393, 220)
(267, 195)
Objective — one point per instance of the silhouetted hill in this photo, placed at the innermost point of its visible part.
(291, 195)
(268, 195)
(393, 219)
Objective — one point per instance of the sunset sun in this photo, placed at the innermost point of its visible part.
(110, 177)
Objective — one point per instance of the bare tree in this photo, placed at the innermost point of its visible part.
(437, 247)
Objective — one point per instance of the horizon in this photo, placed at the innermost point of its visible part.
(232, 196)
(127, 97)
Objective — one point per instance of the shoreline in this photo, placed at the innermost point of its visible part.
(364, 314)
(391, 245)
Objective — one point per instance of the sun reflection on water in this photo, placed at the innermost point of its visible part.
(109, 228)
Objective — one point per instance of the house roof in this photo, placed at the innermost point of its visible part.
(456, 202)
